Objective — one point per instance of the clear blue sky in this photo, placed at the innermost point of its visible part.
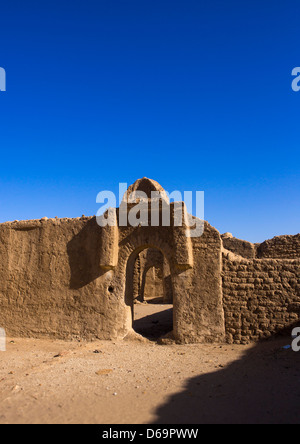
(194, 94)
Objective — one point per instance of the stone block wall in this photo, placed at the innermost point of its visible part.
(260, 297)
(280, 247)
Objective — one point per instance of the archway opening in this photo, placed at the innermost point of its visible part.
(150, 294)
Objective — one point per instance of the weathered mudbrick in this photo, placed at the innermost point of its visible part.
(280, 247)
(260, 297)
(71, 278)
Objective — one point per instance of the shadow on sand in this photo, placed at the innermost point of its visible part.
(261, 388)
(155, 325)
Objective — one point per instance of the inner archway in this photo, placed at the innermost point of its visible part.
(149, 292)
(153, 286)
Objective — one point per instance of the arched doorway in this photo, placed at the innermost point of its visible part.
(149, 293)
(195, 265)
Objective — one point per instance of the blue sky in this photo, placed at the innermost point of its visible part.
(194, 94)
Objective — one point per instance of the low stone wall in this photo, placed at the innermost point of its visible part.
(280, 247)
(261, 297)
(240, 247)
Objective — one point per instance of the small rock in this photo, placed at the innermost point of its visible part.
(105, 371)
(227, 236)
(61, 354)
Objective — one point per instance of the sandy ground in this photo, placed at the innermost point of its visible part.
(47, 381)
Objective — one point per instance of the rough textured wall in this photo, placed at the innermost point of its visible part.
(260, 296)
(69, 278)
(280, 247)
(51, 283)
(62, 278)
(238, 246)
(202, 308)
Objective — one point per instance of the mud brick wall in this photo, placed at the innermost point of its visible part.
(51, 284)
(261, 297)
(280, 247)
(240, 247)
